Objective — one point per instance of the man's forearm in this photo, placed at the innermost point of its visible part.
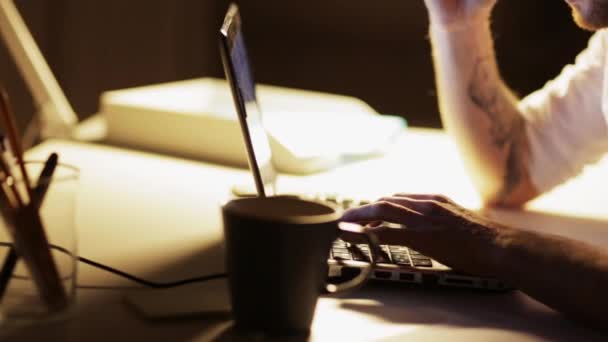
(567, 275)
(480, 112)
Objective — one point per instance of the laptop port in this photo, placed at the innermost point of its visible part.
(458, 281)
(407, 276)
(382, 274)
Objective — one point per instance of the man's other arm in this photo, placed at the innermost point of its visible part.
(477, 108)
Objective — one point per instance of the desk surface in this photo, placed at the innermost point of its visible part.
(158, 217)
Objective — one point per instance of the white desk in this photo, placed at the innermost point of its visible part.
(159, 218)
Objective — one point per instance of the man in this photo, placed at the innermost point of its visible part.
(514, 151)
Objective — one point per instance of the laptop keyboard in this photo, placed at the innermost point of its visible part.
(390, 254)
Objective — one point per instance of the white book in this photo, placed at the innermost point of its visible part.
(310, 131)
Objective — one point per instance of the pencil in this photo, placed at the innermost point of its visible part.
(7, 208)
(11, 128)
(5, 167)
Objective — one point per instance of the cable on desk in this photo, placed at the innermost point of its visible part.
(151, 283)
(128, 276)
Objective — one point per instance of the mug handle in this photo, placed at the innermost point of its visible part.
(374, 245)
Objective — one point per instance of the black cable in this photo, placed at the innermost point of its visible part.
(148, 283)
(128, 276)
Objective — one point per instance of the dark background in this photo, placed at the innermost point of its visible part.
(375, 50)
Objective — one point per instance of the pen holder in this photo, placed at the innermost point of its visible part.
(38, 258)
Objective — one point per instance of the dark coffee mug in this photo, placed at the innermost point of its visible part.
(276, 258)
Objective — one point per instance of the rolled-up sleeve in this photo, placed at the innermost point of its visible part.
(566, 120)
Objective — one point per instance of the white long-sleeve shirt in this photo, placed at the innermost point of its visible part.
(567, 118)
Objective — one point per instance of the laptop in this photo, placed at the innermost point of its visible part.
(395, 263)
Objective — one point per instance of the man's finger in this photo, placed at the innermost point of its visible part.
(428, 197)
(379, 211)
(424, 207)
(386, 235)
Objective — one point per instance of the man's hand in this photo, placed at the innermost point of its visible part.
(533, 262)
(435, 226)
(454, 13)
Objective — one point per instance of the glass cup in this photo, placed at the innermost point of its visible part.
(41, 284)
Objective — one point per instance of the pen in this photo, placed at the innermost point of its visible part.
(38, 193)
(44, 180)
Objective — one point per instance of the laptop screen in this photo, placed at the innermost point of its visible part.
(239, 74)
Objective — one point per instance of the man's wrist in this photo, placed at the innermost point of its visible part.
(502, 240)
(463, 40)
(474, 22)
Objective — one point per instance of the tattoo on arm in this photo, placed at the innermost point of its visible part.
(507, 130)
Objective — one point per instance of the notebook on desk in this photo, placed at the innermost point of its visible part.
(397, 263)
